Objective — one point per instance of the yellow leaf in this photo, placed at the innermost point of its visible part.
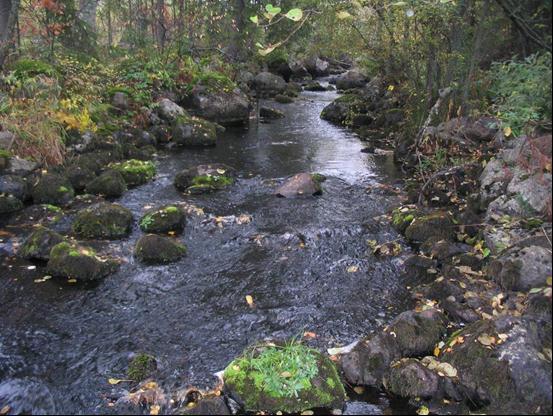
(359, 390)
(549, 281)
(437, 351)
(154, 410)
(286, 374)
(249, 300)
(508, 132)
(423, 411)
(114, 381)
(353, 269)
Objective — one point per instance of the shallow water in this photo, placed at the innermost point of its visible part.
(59, 344)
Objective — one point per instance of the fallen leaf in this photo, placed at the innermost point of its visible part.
(487, 340)
(423, 411)
(249, 300)
(286, 374)
(310, 335)
(5, 410)
(353, 269)
(359, 390)
(154, 410)
(115, 381)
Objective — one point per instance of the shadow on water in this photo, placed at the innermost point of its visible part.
(59, 344)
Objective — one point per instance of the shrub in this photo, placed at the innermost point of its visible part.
(28, 68)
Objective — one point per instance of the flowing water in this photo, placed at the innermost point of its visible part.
(305, 262)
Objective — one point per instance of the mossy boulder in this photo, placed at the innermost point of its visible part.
(164, 220)
(205, 178)
(194, 132)
(135, 172)
(9, 204)
(418, 333)
(110, 184)
(53, 189)
(435, 225)
(154, 249)
(79, 263)
(343, 110)
(269, 113)
(287, 378)
(79, 176)
(284, 99)
(14, 185)
(141, 367)
(39, 244)
(103, 221)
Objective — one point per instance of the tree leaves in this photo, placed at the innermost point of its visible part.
(295, 15)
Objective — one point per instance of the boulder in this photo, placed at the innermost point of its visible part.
(39, 244)
(436, 225)
(418, 333)
(21, 167)
(53, 189)
(110, 184)
(170, 111)
(103, 221)
(522, 269)
(290, 379)
(135, 172)
(14, 185)
(205, 178)
(120, 101)
(302, 184)
(227, 108)
(315, 87)
(269, 85)
(79, 263)
(154, 249)
(411, 379)
(79, 177)
(298, 71)
(370, 360)
(317, 67)
(169, 219)
(194, 132)
(284, 99)
(342, 110)
(351, 80)
(9, 204)
(269, 113)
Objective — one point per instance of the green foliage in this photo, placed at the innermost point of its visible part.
(521, 91)
(141, 367)
(214, 81)
(29, 68)
(280, 371)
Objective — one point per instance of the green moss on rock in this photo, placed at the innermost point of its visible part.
(290, 378)
(110, 184)
(9, 204)
(141, 367)
(154, 249)
(438, 224)
(80, 263)
(39, 244)
(103, 221)
(53, 189)
(135, 172)
(165, 220)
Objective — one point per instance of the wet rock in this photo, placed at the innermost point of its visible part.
(503, 376)
(164, 220)
(370, 360)
(418, 333)
(110, 184)
(521, 269)
(9, 204)
(80, 263)
(317, 67)
(27, 397)
(284, 99)
(135, 172)
(141, 367)
(302, 184)
(298, 71)
(53, 189)
(21, 167)
(435, 225)
(270, 113)
(79, 177)
(494, 180)
(411, 379)
(103, 221)
(350, 80)
(316, 386)
(207, 406)
(155, 249)
(442, 250)
(14, 185)
(39, 244)
(193, 132)
(97, 161)
(344, 108)
(144, 153)
(269, 85)
(142, 138)
(205, 178)
(120, 101)
(420, 270)
(227, 108)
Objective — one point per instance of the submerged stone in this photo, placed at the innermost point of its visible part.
(205, 178)
(303, 184)
(290, 378)
(103, 221)
(194, 132)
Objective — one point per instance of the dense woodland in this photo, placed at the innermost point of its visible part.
(142, 240)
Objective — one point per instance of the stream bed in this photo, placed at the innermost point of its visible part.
(305, 262)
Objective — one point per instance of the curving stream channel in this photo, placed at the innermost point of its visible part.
(60, 343)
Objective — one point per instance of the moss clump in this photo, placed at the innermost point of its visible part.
(319, 178)
(53, 189)
(290, 378)
(103, 221)
(403, 218)
(110, 184)
(28, 68)
(135, 172)
(154, 249)
(39, 244)
(9, 204)
(165, 220)
(141, 367)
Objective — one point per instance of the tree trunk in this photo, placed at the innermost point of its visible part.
(87, 13)
(9, 10)
(161, 29)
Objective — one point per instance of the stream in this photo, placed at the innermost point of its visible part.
(305, 262)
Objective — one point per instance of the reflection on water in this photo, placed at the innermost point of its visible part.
(61, 343)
